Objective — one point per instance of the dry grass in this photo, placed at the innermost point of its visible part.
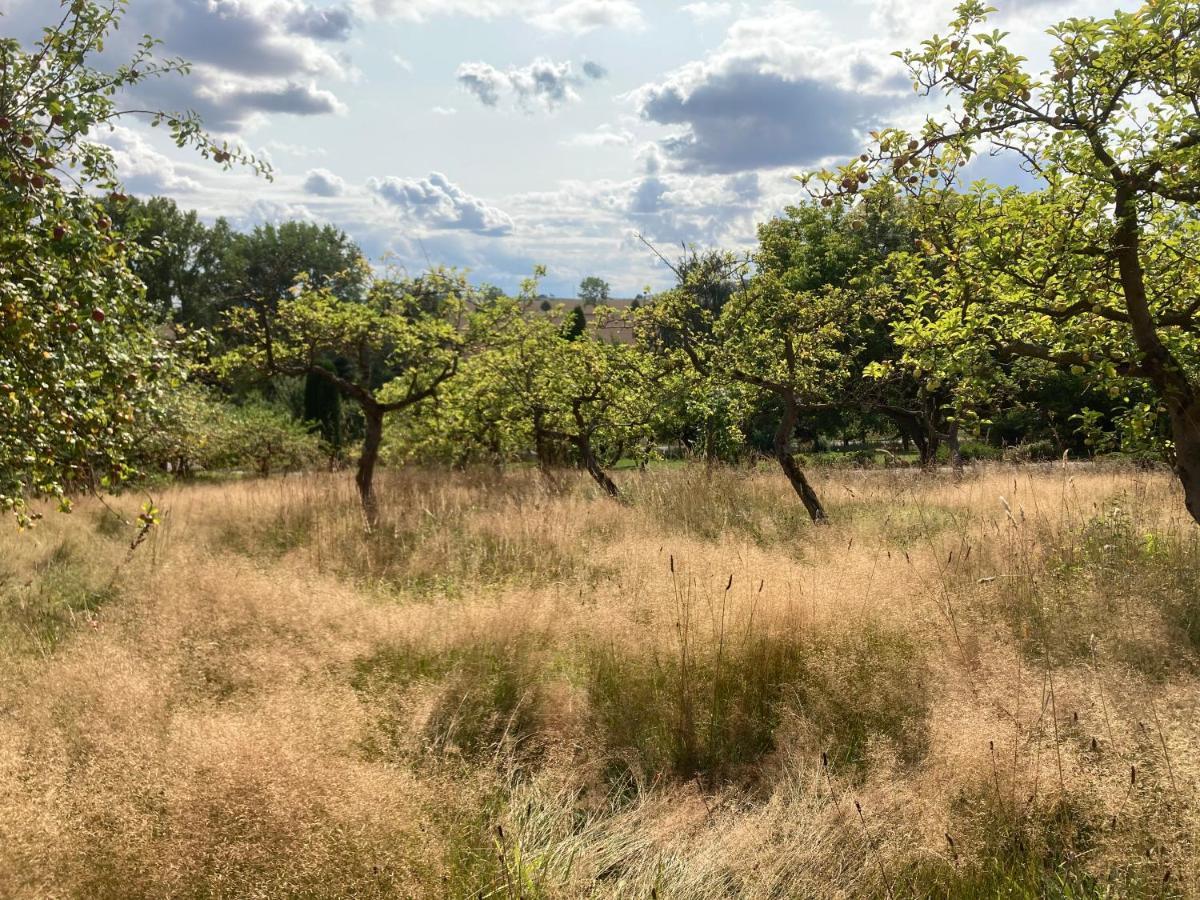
(974, 688)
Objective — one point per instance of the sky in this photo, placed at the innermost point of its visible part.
(497, 135)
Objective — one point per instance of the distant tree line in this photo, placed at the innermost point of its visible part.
(894, 302)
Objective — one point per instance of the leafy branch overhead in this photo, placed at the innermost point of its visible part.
(80, 358)
(1094, 272)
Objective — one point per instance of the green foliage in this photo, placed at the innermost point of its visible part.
(575, 325)
(536, 391)
(405, 330)
(80, 362)
(272, 257)
(194, 431)
(323, 407)
(1091, 272)
(189, 269)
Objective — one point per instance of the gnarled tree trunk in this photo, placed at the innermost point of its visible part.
(956, 460)
(1185, 430)
(596, 470)
(365, 476)
(787, 462)
(1163, 370)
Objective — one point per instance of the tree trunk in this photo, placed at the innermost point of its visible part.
(596, 470)
(1165, 373)
(1185, 430)
(787, 462)
(956, 460)
(540, 447)
(365, 477)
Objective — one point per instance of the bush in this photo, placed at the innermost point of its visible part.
(977, 451)
(1034, 451)
(198, 431)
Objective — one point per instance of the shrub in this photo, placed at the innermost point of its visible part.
(1033, 451)
(197, 431)
(976, 451)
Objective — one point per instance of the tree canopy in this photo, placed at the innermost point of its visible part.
(1091, 271)
(79, 356)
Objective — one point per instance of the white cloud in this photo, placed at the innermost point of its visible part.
(323, 183)
(143, 169)
(439, 203)
(782, 89)
(574, 16)
(580, 16)
(604, 136)
(272, 212)
(708, 12)
(444, 111)
(543, 84)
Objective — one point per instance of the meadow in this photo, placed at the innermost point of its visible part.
(986, 686)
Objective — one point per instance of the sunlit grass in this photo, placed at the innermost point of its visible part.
(975, 687)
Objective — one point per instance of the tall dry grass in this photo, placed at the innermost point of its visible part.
(962, 688)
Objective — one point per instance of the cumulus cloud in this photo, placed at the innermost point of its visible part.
(250, 57)
(333, 24)
(574, 16)
(781, 90)
(280, 38)
(439, 203)
(238, 99)
(543, 84)
(707, 12)
(483, 80)
(580, 16)
(323, 183)
(594, 70)
(604, 136)
(143, 169)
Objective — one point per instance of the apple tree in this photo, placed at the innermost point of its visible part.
(537, 391)
(80, 360)
(1095, 270)
(400, 344)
